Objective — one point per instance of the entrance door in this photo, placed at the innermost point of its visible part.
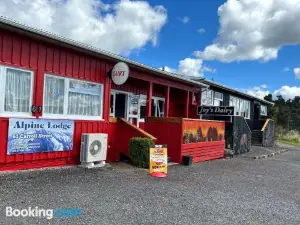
(133, 109)
(120, 105)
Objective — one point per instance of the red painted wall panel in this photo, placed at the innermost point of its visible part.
(167, 134)
(204, 151)
(41, 58)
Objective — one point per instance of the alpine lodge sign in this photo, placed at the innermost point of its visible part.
(216, 110)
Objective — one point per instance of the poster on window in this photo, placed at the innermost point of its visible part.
(39, 135)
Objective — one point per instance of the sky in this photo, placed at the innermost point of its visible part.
(249, 45)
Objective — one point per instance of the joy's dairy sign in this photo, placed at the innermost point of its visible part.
(120, 73)
(216, 110)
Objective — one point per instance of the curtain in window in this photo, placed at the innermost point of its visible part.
(17, 91)
(84, 99)
(54, 95)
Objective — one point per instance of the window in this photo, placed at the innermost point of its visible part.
(17, 87)
(72, 98)
(158, 107)
(263, 110)
(143, 104)
(206, 97)
(218, 98)
(241, 106)
(209, 97)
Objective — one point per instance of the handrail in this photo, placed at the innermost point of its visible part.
(147, 135)
(265, 125)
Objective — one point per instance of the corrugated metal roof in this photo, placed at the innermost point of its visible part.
(71, 42)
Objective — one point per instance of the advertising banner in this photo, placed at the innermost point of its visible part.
(158, 159)
(39, 135)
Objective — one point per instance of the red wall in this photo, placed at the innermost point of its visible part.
(203, 151)
(42, 57)
(139, 87)
(21, 52)
(167, 134)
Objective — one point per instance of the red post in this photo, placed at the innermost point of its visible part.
(149, 99)
(106, 97)
(167, 101)
(186, 110)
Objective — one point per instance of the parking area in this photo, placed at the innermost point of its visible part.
(233, 191)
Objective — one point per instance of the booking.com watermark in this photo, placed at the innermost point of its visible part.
(42, 213)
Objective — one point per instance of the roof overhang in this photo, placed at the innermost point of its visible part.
(69, 43)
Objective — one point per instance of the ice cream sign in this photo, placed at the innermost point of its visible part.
(120, 73)
(158, 160)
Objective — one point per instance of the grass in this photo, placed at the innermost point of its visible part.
(294, 143)
(289, 137)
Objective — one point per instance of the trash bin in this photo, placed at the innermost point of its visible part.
(187, 160)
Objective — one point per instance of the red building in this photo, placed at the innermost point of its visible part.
(39, 73)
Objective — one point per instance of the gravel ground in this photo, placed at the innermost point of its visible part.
(235, 191)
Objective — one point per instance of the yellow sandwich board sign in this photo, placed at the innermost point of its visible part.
(158, 160)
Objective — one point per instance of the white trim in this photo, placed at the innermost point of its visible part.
(65, 114)
(3, 73)
(263, 114)
(71, 117)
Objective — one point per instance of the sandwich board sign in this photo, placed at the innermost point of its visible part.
(158, 161)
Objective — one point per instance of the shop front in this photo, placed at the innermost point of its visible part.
(46, 80)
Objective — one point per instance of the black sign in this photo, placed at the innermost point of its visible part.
(216, 110)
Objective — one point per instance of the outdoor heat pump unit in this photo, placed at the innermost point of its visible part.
(93, 150)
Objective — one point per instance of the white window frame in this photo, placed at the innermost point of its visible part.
(66, 96)
(155, 100)
(263, 114)
(3, 72)
(142, 97)
(242, 103)
(206, 91)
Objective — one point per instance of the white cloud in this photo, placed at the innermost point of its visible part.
(286, 69)
(190, 67)
(287, 92)
(261, 91)
(168, 69)
(120, 27)
(297, 73)
(254, 30)
(257, 91)
(201, 30)
(184, 19)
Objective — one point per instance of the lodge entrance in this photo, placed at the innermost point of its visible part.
(125, 105)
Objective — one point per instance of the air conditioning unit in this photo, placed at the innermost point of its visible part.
(93, 149)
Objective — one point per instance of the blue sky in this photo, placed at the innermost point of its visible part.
(179, 40)
(244, 44)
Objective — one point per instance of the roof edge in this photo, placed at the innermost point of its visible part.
(77, 44)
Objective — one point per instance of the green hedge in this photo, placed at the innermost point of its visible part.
(139, 151)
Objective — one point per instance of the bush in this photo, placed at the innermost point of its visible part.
(139, 151)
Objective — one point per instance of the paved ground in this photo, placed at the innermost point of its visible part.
(235, 191)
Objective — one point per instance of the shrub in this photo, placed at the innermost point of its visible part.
(139, 151)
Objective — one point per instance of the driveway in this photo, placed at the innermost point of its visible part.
(234, 191)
